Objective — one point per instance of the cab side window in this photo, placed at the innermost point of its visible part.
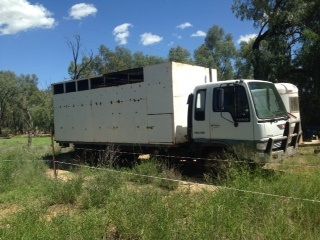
(200, 106)
(235, 102)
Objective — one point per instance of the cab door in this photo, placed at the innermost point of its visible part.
(201, 106)
(231, 118)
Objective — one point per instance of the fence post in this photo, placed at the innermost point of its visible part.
(53, 157)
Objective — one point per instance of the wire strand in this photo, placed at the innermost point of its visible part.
(192, 183)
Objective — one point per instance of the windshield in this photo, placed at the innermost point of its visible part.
(267, 101)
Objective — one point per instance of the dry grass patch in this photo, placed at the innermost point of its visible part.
(7, 211)
(196, 188)
(59, 210)
(62, 175)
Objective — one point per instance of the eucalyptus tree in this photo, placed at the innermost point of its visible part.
(287, 46)
(9, 89)
(218, 51)
(179, 54)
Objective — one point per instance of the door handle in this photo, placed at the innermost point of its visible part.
(215, 125)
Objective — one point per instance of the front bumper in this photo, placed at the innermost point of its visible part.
(283, 145)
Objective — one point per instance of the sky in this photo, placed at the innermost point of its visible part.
(34, 33)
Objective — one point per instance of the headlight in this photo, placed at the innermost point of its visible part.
(262, 146)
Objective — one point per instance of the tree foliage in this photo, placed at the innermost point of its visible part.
(287, 46)
(107, 61)
(179, 54)
(244, 59)
(218, 51)
(24, 108)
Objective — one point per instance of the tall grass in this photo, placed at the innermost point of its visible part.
(155, 168)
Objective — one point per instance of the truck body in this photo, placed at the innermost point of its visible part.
(172, 105)
(149, 108)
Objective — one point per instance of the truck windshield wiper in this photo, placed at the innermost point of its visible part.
(292, 115)
(282, 115)
(274, 119)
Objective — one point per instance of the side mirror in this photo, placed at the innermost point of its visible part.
(221, 99)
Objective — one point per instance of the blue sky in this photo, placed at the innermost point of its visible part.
(33, 34)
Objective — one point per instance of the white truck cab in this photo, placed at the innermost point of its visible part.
(247, 112)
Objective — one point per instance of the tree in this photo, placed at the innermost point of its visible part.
(78, 70)
(27, 101)
(42, 112)
(243, 64)
(121, 58)
(141, 60)
(23, 107)
(218, 52)
(8, 86)
(179, 54)
(203, 57)
(287, 46)
(279, 29)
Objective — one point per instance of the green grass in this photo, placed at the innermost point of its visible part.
(104, 205)
(23, 141)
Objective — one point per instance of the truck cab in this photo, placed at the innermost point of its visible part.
(243, 112)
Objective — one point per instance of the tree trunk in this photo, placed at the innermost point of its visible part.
(29, 139)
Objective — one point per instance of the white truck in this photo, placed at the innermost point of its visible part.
(172, 107)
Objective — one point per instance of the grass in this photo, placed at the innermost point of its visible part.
(104, 205)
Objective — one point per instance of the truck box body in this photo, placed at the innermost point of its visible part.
(150, 108)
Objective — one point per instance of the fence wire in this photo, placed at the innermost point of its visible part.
(177, 181)
(182, 181)
(192, 183)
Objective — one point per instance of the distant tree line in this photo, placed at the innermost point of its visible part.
(24, 108)
(286, 49)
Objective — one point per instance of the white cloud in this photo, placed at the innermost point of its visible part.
(150, 39)
(82, 10)
(246, 38)
(122, 33)
(199, 33)
(184, 25)
(20, 15)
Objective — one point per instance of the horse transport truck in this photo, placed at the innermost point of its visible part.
(173, 108)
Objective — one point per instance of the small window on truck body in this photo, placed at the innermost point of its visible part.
(200, 106)
(235, 102)
(70, 87)
(83, 85)
(97, 82)
(294, 104)
(58, 88)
